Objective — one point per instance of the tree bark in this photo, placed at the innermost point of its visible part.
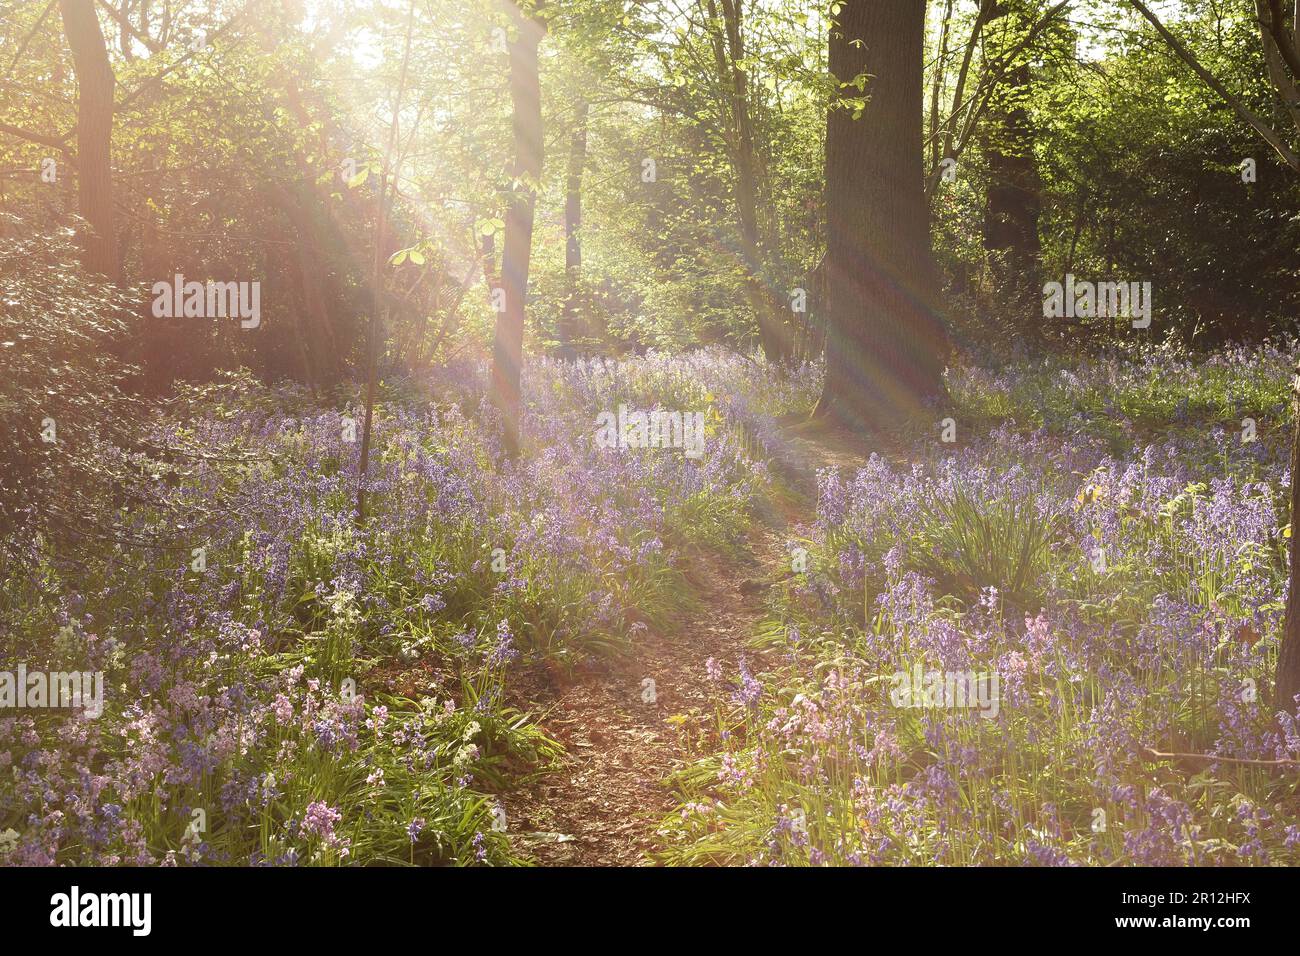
(526, 122)
(886, 343)
(94, 136)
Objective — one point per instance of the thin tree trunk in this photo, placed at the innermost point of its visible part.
(570, 319)
(1287, 676)
(1286, 683)
(1280, 55)
(986, 9)
(936, 91)
(316, 235)
(488, 259)
(374, 327)
(94, 136)
(508, 347)
(886, 344)
(773, 335)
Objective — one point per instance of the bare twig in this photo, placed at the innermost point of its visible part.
(1214, 758)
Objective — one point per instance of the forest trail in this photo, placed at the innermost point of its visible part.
(605, 803)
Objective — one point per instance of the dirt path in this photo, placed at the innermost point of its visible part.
(605, 804)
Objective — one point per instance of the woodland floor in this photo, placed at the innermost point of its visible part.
(604, 804)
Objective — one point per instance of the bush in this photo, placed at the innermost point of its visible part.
(63, 411)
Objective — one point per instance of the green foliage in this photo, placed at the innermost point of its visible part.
(969, 543)
(63, 409)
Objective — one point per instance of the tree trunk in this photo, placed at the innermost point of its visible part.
(1284, 71)
(773, 334)
(936, 89)
(886, 343)
(488, 260)
(1287, 678)
(378, 262)
(94, 136)
(526, 99)
(1012, 204)
(570, 321)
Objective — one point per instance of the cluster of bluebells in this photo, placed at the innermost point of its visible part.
(1145, 615)
(245, 716)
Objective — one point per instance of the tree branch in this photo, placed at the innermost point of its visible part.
(54, 142)
(1284, 44)
(162, 74)
(125, 23)
(22, 47)
(1215, 758)
(985, 88)
(1256, 122)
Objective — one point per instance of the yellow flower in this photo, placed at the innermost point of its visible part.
(1091, 493)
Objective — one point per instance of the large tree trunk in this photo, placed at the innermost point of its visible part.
(570, 319)
(886, 343)
(526, 98)
(94, 136)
